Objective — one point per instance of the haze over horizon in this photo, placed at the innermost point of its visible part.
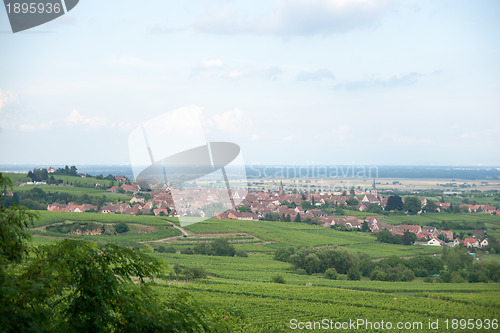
(293, 82)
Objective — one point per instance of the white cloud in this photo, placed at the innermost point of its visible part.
(342, 132)
(236, 74)
(210, 65)
(317, 75)
(134, 62)
(215, 63)
(76, 119)
(6, 97)
(234, 121)
(268, 73)
(493, 131)
(407, 79)
(124, 125)
(41, 126)
(406, 140)
(298, 17)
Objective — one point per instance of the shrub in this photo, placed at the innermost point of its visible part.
(428, 280)
(241, 253)
(331, 274)
(353, 274)
(221, 247)
(121, 227)
(278, 278)
(163, 249)
(187, 251)
(203, 248)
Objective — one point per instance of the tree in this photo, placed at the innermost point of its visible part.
(121, 227)
(297, 218)
(242, 209)
(374, 208)
(430, 206)
(13, 221)
(394, 202)
(351, 202)
(311, 263)
(221, 247)
(385, 236)
(365, 227)
(306, 205)
(412, 205)
(409, 238)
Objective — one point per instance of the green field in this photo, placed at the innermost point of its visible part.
(18, 178)
(76, 191)
(243, 284)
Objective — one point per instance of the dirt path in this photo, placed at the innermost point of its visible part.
(192, 238)
(184, 232)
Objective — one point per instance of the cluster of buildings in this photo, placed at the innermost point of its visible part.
(286, 206)
(71, 207)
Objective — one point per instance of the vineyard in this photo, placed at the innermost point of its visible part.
(244, 285)
(270, 307)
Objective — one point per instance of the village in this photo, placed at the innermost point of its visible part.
(283, 205)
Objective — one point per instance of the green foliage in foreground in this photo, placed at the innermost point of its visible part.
(76, 286)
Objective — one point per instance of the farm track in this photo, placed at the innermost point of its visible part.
(202, 237)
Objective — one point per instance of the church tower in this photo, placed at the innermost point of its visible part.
(281, 192)
(374, 188)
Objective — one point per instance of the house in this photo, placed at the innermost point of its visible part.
(471, 242)
(431, 242)
(55, 207)
(443, 205)
(235, 215)
(348, 222)
(131, 188)
(328, 221)
(373, 223)
(484, 243)
(137, 200)
(247, 216)
(434, 242)
(51, 170)
(222, 216)
(120, 178)
(71, 207)
(319, 213)
(158, 211)
(371, 199)
(487, 209)
(416, 229)
(448, 234)
(113, 189)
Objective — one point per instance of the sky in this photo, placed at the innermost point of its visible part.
(337, 82)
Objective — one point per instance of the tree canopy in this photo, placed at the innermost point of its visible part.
(394, 202)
